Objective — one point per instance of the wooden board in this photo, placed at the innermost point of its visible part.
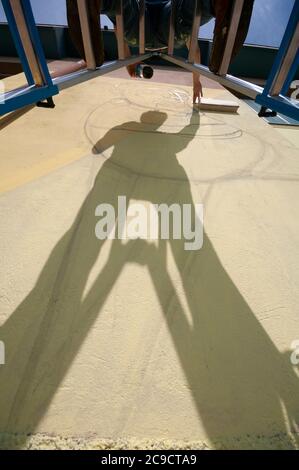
(233, 29)
(286, 65)
(220, 106)
(27, 43)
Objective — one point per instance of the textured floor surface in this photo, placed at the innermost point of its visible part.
(139, 344)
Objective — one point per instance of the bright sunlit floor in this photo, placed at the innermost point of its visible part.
(139, 342)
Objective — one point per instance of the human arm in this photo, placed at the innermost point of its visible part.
(197, 86)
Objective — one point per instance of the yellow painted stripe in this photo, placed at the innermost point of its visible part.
(25, 175)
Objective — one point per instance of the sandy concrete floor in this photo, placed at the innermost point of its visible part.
(125, 344)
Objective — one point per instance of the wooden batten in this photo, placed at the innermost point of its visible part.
(31, 56)
(86, 35)
(120, 31)
(286, 65)
(195, 30)
(231, 38)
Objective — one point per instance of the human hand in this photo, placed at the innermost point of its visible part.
(197, 91)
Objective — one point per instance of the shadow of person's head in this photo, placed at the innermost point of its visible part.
(145, 147)
(154, 119)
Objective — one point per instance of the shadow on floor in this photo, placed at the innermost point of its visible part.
(241, 384)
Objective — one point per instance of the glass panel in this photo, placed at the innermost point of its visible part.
(51, 12)
(268, 24)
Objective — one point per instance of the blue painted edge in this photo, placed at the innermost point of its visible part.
(290, 31)
(33, 31)
(279, 104)
(291, 75)
(28, 97)
(17, 40)
(280, 119)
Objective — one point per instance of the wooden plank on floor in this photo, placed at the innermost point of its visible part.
(120, 31)
(221, 106)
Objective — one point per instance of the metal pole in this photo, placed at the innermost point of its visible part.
(27, 44)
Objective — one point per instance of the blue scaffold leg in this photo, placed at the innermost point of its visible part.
(281, 103)
(32, 93)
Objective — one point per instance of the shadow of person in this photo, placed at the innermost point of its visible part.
(240, 383)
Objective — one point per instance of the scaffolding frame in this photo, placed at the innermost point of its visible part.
(40, 87)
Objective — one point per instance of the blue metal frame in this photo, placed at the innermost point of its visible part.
(36, 41)
(17, 40)
(32, 94)
(281, 103)
(25, 97)
(291, 28)
(291, 75)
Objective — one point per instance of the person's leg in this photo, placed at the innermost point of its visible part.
(186, 12)
(94, 8)
(185, 16)
(162, 24)
(222, 11)
(131, 17)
